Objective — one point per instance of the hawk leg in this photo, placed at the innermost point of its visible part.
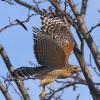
(42, 95)
(44, 82)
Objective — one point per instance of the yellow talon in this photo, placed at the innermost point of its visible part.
(42, 95)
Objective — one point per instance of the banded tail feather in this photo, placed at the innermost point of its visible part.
(23, 73)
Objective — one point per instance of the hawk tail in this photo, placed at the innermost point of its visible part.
(23, 73)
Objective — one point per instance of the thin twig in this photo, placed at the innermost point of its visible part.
(92, 28)
(67, 85)
(16, 23)
(5, 91)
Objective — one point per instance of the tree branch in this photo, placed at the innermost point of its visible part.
(16, 23)
(83, 29)
(80, 57)
(92, 28)
(83, 7)
(11, 69)
(31, 7)
(56, 5)
(5, 91)
(65, 85)
(8, 1)
(94, 91)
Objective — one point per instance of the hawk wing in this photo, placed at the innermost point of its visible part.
(48, 52)
(53, 43)
(56, 28)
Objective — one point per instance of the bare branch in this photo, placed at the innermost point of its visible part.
(85, 71)
(20, 23)
(65, 85)
(9, 2)
(31, 7)
(16, 23)
(92, 28)
(81, 60)
(93, 67)
(11, 69)
(77, 97)
(83, 29)
(80, 57)
(56, 5)
(83, 7)
(5, 91)
(8, 84)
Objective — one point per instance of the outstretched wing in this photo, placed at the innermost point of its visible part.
(53, 43)
(48, 52)
(59, 31)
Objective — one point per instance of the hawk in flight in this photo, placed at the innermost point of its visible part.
(53, 44)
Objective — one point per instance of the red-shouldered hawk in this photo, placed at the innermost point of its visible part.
(53, 44)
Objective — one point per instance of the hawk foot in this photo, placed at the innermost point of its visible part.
(42, 95)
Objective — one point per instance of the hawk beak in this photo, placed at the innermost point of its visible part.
(78, 69)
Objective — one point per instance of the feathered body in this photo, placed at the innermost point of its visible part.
(53, 44)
